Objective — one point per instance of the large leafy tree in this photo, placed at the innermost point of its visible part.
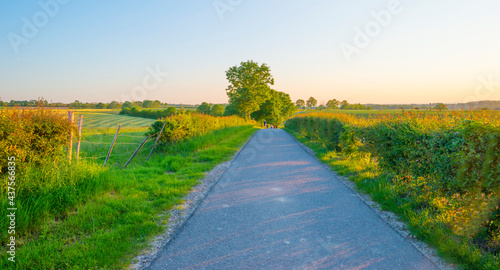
(114, 105)
(127, 104)
(344, 105)
(440, 107)
(230, 109)
(204, 108)
(276, 109)
(300, 103)
(217, 110)
(289, 108)
(333, 103)
(249, 86)
(151, 104)
(312, 102)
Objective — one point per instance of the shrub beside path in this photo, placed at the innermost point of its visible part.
(277, 207)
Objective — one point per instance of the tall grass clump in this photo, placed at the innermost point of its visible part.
(49, 191)
(46, 185)
(443, 168)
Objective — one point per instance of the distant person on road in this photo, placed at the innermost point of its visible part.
(265, 123)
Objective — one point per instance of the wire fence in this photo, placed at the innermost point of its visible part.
(105, 146)
(113, 155)
(85, 141)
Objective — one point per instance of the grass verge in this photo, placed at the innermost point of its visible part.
(84, 217)
(422, 223)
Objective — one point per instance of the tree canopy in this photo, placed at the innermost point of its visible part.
(250, 94)
(217, 110)
(230, 109)
(344, 104)
(151, 104)
(276, 109)
(440, 107)
(249, 86)
(300, 103)
(204, 108)
(333, 103)
(114, 105)
(312, 102)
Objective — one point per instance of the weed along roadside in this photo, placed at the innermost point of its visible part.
(438, 173)
(83, 215)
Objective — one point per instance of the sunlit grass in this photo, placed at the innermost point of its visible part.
(82, 216)
(430, 224)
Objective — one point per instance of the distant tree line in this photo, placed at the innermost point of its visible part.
(204, 108)
(209, 109)
(312, 103)
(94, 105)
(85, 105)
(117, 105)
(230, 110)
(149, 113)
(24, 103)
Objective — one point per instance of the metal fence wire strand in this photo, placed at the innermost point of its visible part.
(114, 155)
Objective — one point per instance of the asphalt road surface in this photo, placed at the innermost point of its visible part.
(277, 207)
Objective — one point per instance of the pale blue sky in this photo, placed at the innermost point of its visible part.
(430, 51)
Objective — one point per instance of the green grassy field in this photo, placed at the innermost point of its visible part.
(84, 216)
(107, 121)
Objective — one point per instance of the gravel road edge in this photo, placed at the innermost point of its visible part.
(180, 214)
(388, 217)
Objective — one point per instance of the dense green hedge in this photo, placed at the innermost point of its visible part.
(459, 154)
(148, 113)
(442, 168)
(32, 135)
(182, 126)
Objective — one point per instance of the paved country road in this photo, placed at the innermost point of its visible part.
(277, 207)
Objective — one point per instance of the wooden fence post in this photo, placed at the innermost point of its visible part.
(136, 151)
(112, 144)
(154, 145)
(71, 116)
(80, 124)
